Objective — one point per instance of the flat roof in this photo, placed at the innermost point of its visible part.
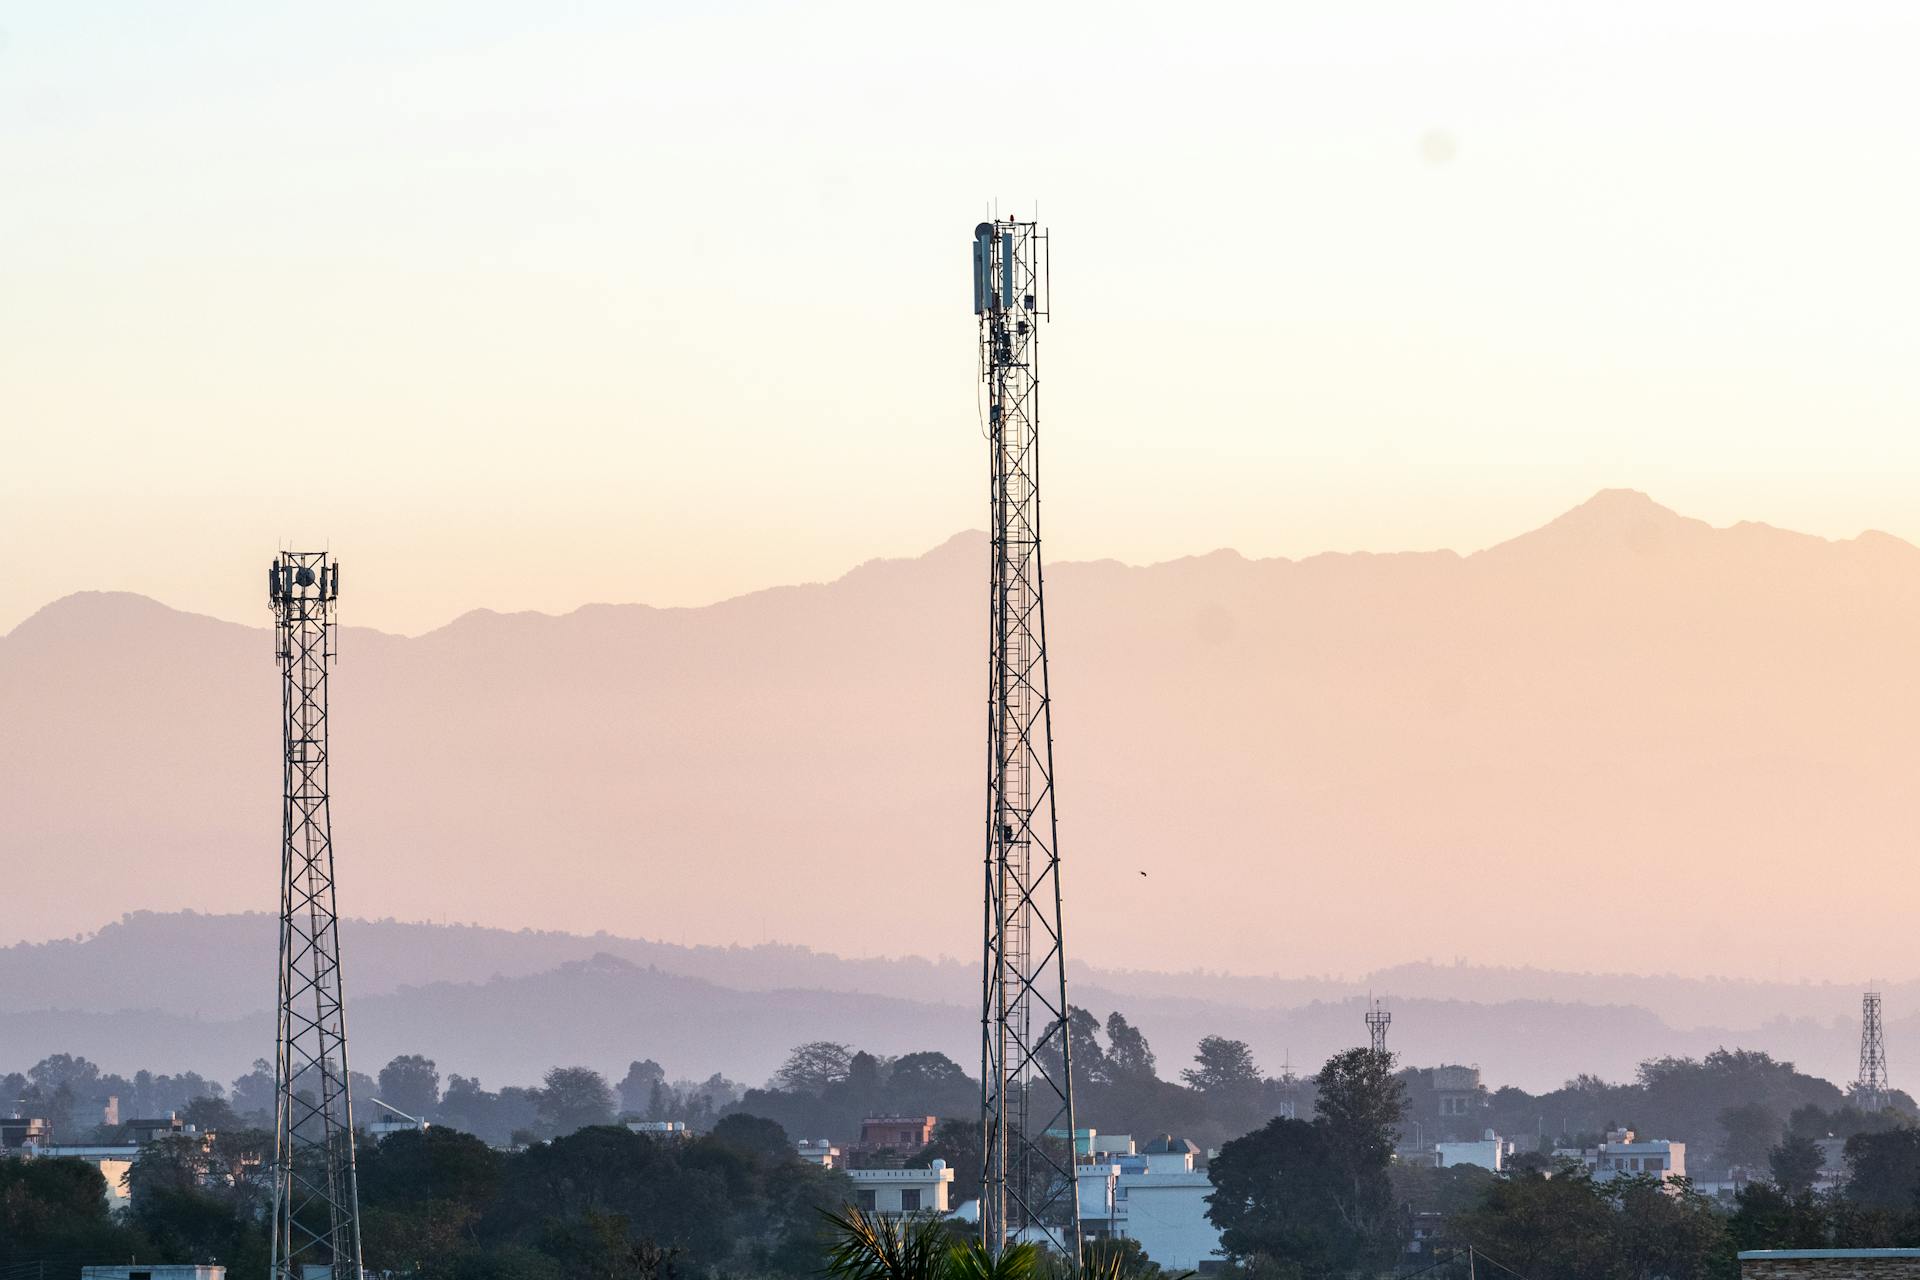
(1828, 1253)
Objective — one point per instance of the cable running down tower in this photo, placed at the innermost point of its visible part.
(1027, 1119)
(316, 1211)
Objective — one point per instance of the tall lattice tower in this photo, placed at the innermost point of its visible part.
(1871, 1090)
(316, 1209)
(1026, 1106)
(1378, 1020)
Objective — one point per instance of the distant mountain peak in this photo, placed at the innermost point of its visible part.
(1621, 506)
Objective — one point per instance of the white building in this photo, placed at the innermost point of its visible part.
(1625, 1155)
(1488, 1153)
(820, 1151)
(382, 1129)
(658, 1128)
(155, 1271)
(114, 1163)
(892, 1192)
(1154, 1196)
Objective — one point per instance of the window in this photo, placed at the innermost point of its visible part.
(910, 1200)
(866, 1201)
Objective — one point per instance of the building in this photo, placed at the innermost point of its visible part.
(142, 1131)
(19, 1131)
(1490, 1152)
(820, 1151)
(1154, 1195)
(1624, 1155)
(380, 1130)
(1830, 1264)
(155, 1271)
(894, 1192)
(887, 1142)
(115, 1163)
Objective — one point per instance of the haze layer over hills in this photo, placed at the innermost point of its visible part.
(1625, 742)
(194, 992)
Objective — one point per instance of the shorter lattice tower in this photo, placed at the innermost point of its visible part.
(1871, 1089)
(1378, 1019)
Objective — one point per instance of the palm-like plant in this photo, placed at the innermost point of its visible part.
(869, 1247)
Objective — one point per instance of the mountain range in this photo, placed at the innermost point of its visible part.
(1624, 742)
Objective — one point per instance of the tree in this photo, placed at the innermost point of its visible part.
(754, 1134)
(1128, 1054)
(1359, 1104)
(63, 1070)
(812, 1066)
(866, 1074)
(1273, 1198)
(573, 1098)
(1767, 1217)
(210, 1115)
(636, 1087)
(1083, 1040)
(1221, 1066)
(411, 1084)
(928, 1071)
(1749, 1130)
(957, 1142)
(1883, 1169)
(1569, 1227)
(253, 1095)
(1795, 1164)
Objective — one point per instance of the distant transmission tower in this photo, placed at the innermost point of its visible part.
(1378, 1020)
(1870, 1092)
(1027, 1123)
(316, 1210)
(1289, 1089)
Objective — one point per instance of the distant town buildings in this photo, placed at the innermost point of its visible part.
(1624, 1155)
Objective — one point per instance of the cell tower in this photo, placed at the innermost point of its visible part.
(1026, 1106)
(1289, 1089)
(1871, 1090)
(1378, 1019)
(316, 1206)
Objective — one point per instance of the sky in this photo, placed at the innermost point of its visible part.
(523, 307)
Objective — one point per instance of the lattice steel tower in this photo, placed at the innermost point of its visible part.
(1378, 1020)
(1027, 1190)
(316, 1210)
(1871, 1090)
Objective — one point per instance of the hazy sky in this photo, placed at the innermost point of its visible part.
(523, 308)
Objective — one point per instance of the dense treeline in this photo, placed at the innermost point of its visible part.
(1730, 1107)
(444, 1205)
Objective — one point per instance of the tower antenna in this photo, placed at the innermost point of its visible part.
(1871, 1090)
(1026, 1099)
(1378, 1020)
(316, 1209)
